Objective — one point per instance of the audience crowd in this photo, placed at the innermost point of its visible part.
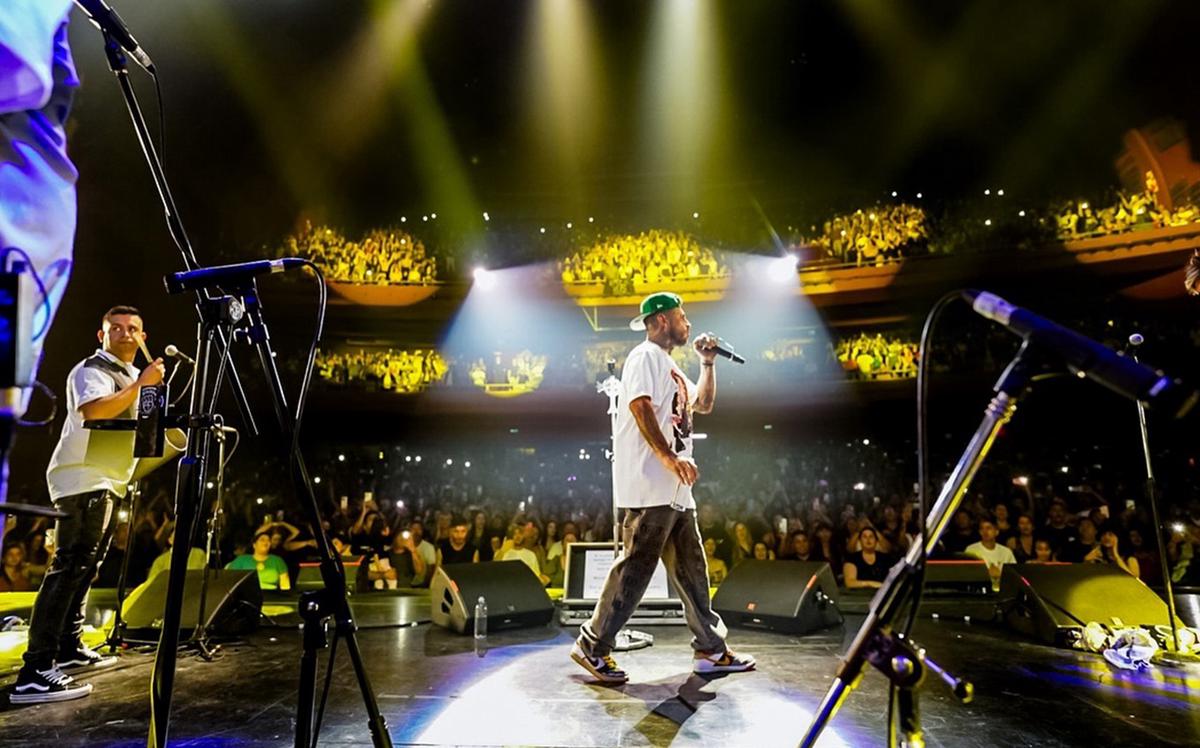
(382, 256)
(402, 512)
(630, 263)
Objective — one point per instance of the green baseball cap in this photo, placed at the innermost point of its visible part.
(653, 304)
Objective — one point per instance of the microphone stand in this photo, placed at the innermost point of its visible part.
(200, 634)
(217, 315)
(116, 636)
(1152, 500)
(902, 661)
(316, 606)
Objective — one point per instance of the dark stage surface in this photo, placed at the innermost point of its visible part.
(435, 689)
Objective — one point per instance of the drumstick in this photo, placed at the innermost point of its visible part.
(145, 351)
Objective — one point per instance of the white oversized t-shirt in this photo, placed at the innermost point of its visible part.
(93, 460)
(640, 479)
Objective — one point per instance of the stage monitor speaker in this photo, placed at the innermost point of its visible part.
(514, 595)
(791, 597)
(233, 605)
(1049, 601)
(957, 576)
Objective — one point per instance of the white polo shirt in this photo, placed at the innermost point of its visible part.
(640, 479)
(87, 460)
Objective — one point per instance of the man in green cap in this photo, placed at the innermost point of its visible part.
(653, 474)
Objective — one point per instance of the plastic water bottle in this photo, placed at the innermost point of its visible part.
(481, 619)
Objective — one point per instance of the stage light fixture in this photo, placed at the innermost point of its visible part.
(317, 480)
(341, 458)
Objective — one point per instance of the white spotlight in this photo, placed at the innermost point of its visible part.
(783, 269)
(484, 278)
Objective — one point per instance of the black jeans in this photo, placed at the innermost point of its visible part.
(82, 540)
(650, 534)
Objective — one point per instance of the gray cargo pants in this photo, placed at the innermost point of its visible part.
(649, 534)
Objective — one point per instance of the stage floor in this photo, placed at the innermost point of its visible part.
(435, 689)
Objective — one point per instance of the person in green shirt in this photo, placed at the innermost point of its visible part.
(272, 571)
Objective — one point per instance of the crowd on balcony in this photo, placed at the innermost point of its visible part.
(399, 371)
(1079, 219)
(522, 372)
(381, 257)
(878, 356)
(871, 237)
(625, 263)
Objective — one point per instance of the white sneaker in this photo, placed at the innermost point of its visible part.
(603, 669)
(722, 662)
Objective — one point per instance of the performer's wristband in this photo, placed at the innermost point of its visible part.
(706, 363)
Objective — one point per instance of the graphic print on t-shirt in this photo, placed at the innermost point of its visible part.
(681, 412)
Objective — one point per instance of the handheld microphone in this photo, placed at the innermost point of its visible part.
(1087, 358)
(720, 351)
(724, 349)
(227, 275)
(107, 20)
(178, 355)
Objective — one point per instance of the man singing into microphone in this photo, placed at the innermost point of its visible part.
(87, 470)
(653, 475)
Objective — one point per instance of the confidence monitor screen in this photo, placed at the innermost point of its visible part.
(587, 568)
